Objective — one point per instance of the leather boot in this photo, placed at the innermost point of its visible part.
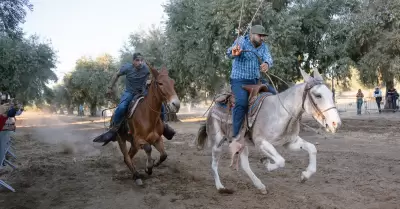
(108, 136)
(169, 132)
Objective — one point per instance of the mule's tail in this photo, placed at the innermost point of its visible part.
(201, 136)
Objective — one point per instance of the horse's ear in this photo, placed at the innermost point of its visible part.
(307, 78)
(317, 76)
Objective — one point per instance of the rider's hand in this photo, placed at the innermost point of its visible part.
(236, 50)
(264, 67)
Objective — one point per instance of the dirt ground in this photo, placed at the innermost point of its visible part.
(60, 167)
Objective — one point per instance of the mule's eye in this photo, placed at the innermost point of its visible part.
(160, 84)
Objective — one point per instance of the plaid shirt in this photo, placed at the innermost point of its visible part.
(247, 65)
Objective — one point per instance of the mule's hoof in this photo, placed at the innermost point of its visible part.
(225, 191)
(149, 171)
(264, 160)
(303, 178)
(264, 191)
(139, 182)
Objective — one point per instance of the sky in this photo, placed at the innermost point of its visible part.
(78, 28)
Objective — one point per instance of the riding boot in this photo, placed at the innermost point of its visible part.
(169, 132)
(108, 136)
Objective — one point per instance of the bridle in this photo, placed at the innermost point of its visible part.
(158, 90)
(306, 93)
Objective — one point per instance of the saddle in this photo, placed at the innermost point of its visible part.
(133, 104)
(225, 101)
(254, 91)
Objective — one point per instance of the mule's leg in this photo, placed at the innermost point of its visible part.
(150, 161)
(244, 161)
(299, 144)
(216, 154)
(128, 160)
(268, 149)
(159, 145)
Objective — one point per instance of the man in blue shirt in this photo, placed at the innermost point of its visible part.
(246, 71)
(136, 74)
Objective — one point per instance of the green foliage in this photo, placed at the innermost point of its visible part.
(12, 13)
(373, 41)
(26, 67)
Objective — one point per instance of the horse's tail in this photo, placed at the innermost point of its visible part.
(201, 136)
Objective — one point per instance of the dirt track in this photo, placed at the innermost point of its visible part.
(60, 167)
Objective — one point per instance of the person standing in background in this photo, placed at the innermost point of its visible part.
(360, 97)
(378, 98)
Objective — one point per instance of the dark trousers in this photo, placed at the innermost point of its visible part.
(378, 102)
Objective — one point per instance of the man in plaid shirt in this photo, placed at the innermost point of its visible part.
(246, 71)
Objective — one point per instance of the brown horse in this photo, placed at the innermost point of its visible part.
(145, 123)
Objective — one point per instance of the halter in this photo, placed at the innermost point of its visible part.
(306, 93)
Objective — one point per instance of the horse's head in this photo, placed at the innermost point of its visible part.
(165, 88)
(318, 101)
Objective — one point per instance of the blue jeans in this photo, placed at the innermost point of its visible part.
(123, 105)
(359, 105)
(241, 100)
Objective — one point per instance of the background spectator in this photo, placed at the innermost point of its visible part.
(392, 97)
(378, 98)
(360, 97)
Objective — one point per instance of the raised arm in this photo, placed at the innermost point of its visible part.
(117, 74)
(235, 43)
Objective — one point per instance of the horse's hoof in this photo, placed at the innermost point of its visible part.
(139, 182)
(149, 171)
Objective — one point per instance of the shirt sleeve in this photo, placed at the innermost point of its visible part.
(124, 69)
(267, 56)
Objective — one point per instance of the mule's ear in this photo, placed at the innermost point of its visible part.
(307, 78)
(317, 76)
(153, 71)
(164, 69)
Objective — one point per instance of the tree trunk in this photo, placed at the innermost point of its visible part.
(93, 109)
(389, 83)
(70, 110)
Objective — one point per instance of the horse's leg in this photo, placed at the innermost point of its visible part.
(150, 161)
(159, 145)
(299, 144)
(268, 149)
(128, 160)
(244, 161)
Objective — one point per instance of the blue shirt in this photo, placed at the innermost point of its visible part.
(247, 65)
(135, 81)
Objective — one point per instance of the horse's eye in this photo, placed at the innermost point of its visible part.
(318, 96)
(160, 84)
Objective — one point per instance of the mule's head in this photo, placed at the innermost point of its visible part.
(318, 101)
(165, 86)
